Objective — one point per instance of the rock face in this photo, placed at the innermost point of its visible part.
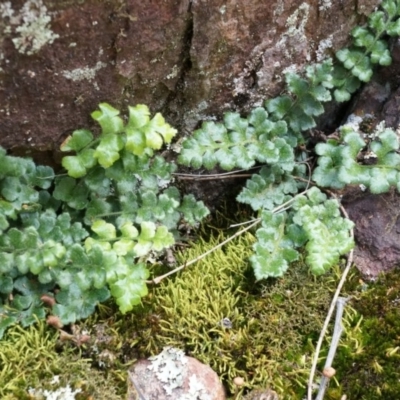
(191, 60)
(172, 375)
(377, 230)
(376, 217)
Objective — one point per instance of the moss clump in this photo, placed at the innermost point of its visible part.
(216, 312)
(369, 365)
(29, 359)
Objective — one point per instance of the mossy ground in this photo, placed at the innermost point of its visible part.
(368, 362)
(215, 311)
(30, 358)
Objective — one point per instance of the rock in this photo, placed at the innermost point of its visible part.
(377, 230)
(173, 376)
(376, 217)
(189, 59)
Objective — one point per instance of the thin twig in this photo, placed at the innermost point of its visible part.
(179, 174)
(157, 280)
(211, 177)
(241, 224)
(280, 208)
(330, 312)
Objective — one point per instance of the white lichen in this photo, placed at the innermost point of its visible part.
(324, 5)
(63, 393)
(174, 72)
(353, 121)
(85, 73)
(279, 8)
(294, 39)
(169, 367)
(30, 26)
(323, 46)
(6, 10)
(290, 69)
(296, 22)
(197, 391)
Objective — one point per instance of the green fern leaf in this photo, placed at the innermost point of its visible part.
(234, 122)
(279, 106)
(129, 290)
(77, 166)
(107, 152)
(311, 106)
(378, 182)
(108, 119)
(135, 141)
(77, 141)
(273, 251)
(296, 84)
(391, 9)
(320, 75)
(327, 232)
(139, 116)
(299, 121)
(380, 53)
(268, 189)
(74, 304)
(363, 37)
(393, 28)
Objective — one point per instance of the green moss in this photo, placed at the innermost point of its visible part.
(272, 322)
(369, 365)
(214, 310)
(30, 358)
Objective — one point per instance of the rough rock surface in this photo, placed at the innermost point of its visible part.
(190, 59)
(377, 230)
(172, 375)
(376, 217)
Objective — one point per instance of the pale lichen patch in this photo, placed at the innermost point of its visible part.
(30, 26)
(297, 21)
(323, 46)
(6, 10)
(174, 72)
(169, 368)
(324, 5)
(294, 39)
(85, 73)
(62, 393)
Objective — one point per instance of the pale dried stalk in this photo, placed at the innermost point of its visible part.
(330, 312)
(282, 207)
(337, 333)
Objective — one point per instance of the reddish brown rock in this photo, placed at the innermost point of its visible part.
(192, 60)
(377, 230)
(172, 375)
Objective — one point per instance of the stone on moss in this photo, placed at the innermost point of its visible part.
(172, 375)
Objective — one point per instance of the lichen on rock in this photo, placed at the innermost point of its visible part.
(30, 26)
(172, 375)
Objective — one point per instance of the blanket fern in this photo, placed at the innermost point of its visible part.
(73, 240)
(269, 136)
(81, 237)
